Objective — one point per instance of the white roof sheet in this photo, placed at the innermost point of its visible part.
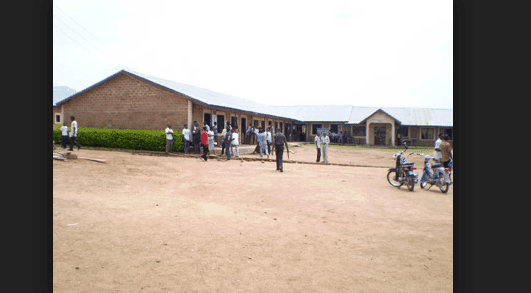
(61, 92)
(407, 116)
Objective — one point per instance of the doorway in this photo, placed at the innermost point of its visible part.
(379, 135)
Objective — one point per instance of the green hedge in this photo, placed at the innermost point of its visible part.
(125, 139)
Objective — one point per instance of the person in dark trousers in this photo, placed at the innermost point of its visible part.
(204, 141)
(169, 139)
(73, 134)
(64, 134)
(196, 135)
(279, 140)
(227, 141)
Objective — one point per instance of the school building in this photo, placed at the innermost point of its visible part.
(131, 100)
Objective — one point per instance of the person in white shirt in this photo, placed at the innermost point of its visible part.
(73, 134)
(223, 133)
(317, 141)
(325, 140)
(64, 134)
(235, 143)
(263, 143)
(269, 140)
(169, 139)
(211, 141)
(186, 138)
(437, 155)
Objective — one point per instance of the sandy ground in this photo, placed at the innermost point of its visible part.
(171, 224)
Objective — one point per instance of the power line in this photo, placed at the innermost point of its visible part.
(124, 66)
(85, 48)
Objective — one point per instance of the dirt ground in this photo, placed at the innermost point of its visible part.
(172, 224)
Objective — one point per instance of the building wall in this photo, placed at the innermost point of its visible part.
(126, 102)
(57, 110)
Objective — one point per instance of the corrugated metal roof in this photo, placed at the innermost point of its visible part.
(212, 98)
(60, 93)
(332, 113)
(329, 113)
(406, 116)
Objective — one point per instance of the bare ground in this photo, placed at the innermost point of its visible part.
(173, 224)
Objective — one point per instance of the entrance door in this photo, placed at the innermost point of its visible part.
(379, 135)
(207, 118)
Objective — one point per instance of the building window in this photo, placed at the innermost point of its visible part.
(315, 127)
(427, 133)
(450, 133)
(359, 131)
(57, 118)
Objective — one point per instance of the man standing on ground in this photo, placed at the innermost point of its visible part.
(235, 143)
(73, 134)
(64, 134)
(279, 140)
(204, 141)
(317, 141)
(186, 138)
(196, 135)
(223, 133)
(325, 140)
(227, 140)
(169, 139)
(269, 140)
(263, 143)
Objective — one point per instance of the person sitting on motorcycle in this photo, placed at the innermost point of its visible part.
(437, 152)
(446, 149)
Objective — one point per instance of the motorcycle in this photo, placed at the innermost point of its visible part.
(440, 176)
(404, 172)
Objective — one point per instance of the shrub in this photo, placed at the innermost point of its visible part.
(126, 139)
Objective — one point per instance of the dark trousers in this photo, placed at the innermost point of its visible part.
(318, 155)
(226, 145)
(269, 147)
(279, 151)
(197, 140)
(169, 145)
(64, 142)
(73, 142)
(222, 147)
(205, 152)
(186, 146)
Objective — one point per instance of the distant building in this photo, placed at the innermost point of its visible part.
(130, 100)
(60, 93)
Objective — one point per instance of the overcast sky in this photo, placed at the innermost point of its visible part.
(381, 53)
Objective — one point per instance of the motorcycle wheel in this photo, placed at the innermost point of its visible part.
(444, 188)
(391, 178)
(410, 185)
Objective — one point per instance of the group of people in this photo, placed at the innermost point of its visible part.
(443, 151)
(229, 137)
(321, 142)
(69, 138)
(341, 137)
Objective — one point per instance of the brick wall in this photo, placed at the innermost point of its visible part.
(127, 102)
(56, 110)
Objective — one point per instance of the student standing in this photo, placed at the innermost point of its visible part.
(64, 134)
(227, 140)
(235, 143)
(325, 140)
(169, 139)
(186, 138)
(196, 135)
(317, 141)
(263, 143)
(211, 141)
(269, 140)
(223, 133)
(73, 134)
(279, 140)
(204, 141)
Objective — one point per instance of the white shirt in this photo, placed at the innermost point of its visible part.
(317, 142)
(169, 133)
(73, 129)
(64, 130)
(437, 154)
(269, 137)
(186, 134)
(326, 140)
(235, 136)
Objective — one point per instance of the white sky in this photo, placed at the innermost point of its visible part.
(381, 53)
